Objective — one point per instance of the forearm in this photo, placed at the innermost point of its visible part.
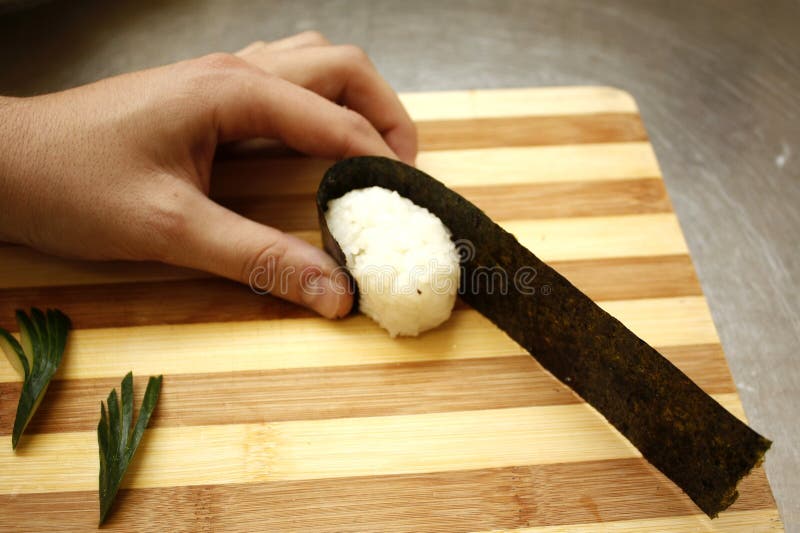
(44, 170)
(14, 137)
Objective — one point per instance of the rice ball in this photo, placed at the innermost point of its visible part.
(401, 256)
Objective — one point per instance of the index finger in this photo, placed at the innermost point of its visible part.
(299, 40)
(346, 75)
(247, 102)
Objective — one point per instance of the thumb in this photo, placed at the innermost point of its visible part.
(220, 241)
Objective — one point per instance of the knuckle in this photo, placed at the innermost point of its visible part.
(357, 123)
(263, 266)
(353, 135)
(220, 61)
(206, 75)
(353, 54)
(314, 37)
(253, 48)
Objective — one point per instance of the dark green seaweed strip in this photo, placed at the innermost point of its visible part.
(676, 426)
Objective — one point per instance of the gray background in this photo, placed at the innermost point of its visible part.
(717, 83)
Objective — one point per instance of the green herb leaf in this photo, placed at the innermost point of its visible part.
(117, 439)
(35, 357)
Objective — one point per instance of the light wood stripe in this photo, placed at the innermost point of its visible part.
(542, 101)
(599, 238)
(250, 177)
(530, 131)
(572, 239)
(668, 321)
(289, 343)
(570, 199)
(320, 449)
(730, 521)
(457, 501)
(621, 197)
(562, 239)
(220, 300)
(340, 392)
(541, 164)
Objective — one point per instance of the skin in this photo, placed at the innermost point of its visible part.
(120, 168)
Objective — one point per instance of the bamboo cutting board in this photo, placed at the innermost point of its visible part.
(273, 419)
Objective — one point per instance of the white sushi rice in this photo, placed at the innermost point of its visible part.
(401, 256)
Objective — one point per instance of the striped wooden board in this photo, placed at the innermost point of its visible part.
(274, 419)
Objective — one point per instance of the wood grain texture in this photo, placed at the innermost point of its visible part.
(272, 418)
(758, 521)
(501, 202)
(515, 497)
(341, 392)
(284, 343)
(246, 177)
(332, 448)
(543, 101)
(530, 131)
(207, 299)
(554, 239)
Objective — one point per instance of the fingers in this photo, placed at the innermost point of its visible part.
(343, 74)
(246, 103)
(217, 240)
(306, 38)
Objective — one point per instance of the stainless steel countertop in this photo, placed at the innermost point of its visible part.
(718, 83)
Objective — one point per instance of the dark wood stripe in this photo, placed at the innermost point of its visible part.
(292, 212)
(338, 392)
(219, 300)
(297, 212)
(632, 278)
(149, 303)
(244, 177)
(461, 501)
(530, 131)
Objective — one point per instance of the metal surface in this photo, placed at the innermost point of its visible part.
(717, 83)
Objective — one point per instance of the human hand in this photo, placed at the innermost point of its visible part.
(120, 168)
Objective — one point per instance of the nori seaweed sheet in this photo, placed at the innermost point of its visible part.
(676, 426)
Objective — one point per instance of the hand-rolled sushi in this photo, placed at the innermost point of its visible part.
(401, 256)
(676, 425)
